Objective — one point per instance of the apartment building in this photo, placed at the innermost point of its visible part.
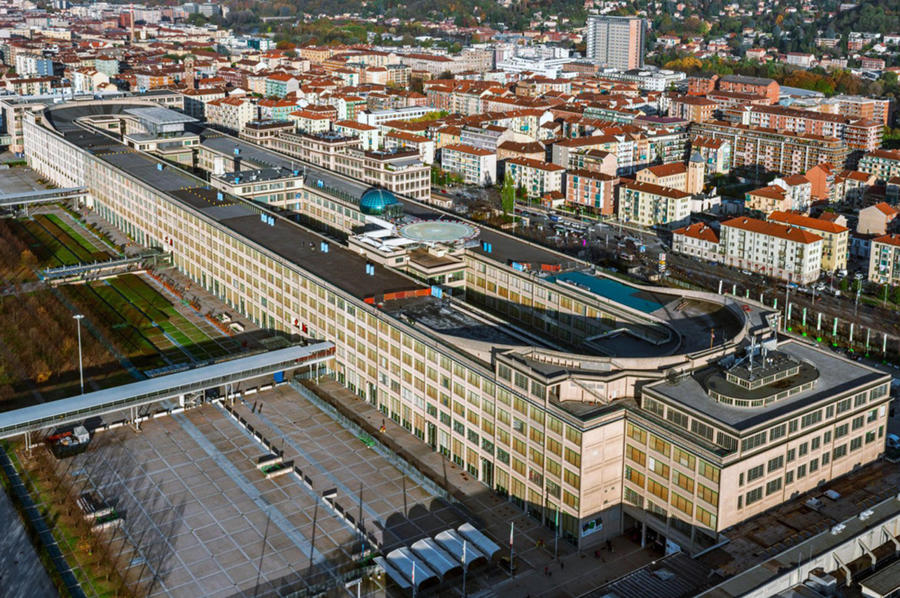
(822, 181)
(860, 135)
(698, 240)
(616, 41)
(402, 140)
(765, 150)
(591, 191)
(281, 84)
(693, 108)
(766, 200)
(792, 193)
(876, 219)
(757, 86)
(264, 132)
(835, 238)
(646, 204)
(716, 154)
(884, 260)
(311, 122)
(477, 166)
(884, 164)
(778, 250)
(195, 100)
(858, 107)
(369, 136)
(537, 178)
(231, 113)
(564, 436)
(376, 118)
(272, 109)
(677, 175)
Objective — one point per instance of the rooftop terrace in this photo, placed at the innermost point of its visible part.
(836, 374)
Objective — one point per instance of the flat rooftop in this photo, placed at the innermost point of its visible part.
(793, 532)
(160, 116)
(256, 175)
(477, 336)
(339, 266)
(349, 189)
(505, 248)
(836, 375)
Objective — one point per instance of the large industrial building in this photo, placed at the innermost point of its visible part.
(565, 389)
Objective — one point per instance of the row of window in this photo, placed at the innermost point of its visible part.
(775, 484)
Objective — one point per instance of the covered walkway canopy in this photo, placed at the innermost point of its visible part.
(452, 542)
(435, 557)
(41, 196)
(145, 392)
(482, 542)
(411, 568)
(393, 573)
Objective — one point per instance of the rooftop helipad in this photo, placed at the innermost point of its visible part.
(439, 231)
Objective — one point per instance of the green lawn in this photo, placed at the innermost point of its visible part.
(79, 238)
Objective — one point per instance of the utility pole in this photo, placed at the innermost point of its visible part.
(512, 528)
(556, 536)
(78, 318)
(465, 568)
(787, 302)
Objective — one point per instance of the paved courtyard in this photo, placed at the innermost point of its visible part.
(20, 179)
(401, 510)
(200, 519)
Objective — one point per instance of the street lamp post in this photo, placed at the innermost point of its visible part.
(78, 318)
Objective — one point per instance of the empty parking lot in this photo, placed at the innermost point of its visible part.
(201, 519)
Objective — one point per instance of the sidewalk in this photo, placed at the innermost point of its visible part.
(573, 575)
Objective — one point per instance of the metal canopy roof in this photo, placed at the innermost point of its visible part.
(160, 116)
(482, 542)
(435, 557)
(402, 560)
(148, 391)
(452, 542)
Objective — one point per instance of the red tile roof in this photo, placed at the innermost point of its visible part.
(773, 229)
(546, 166)
(664, 170)
(468, 149)
(698, 230)
(818, 224)
(654, 189)
(888, 240)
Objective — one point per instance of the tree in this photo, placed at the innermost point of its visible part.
(508, 195)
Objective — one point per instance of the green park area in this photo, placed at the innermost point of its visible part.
(131, 324)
